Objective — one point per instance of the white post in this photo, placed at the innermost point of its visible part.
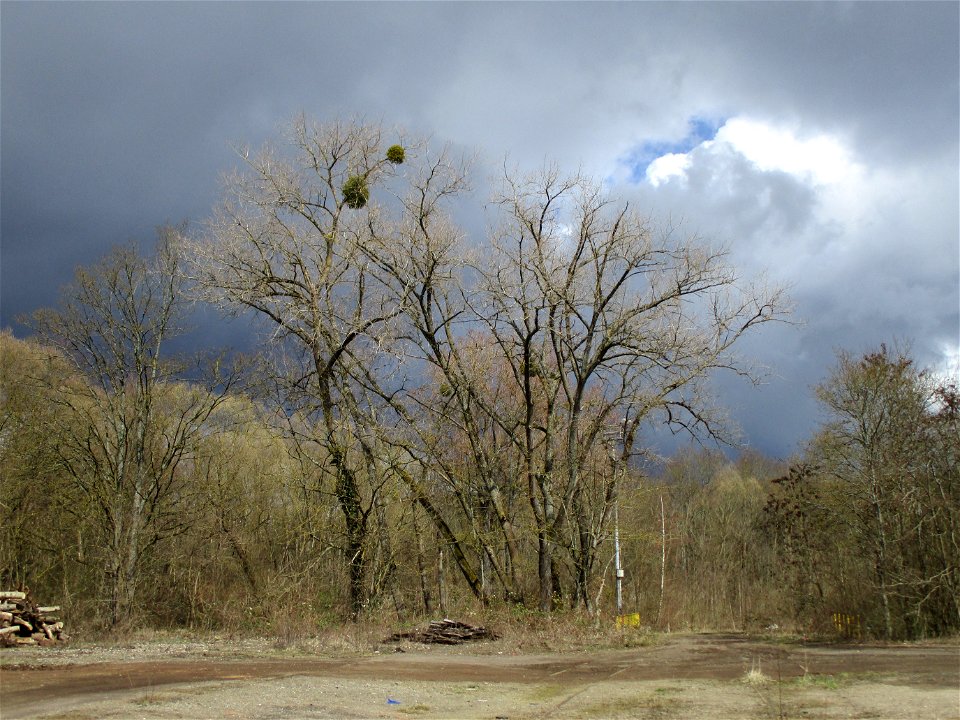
(663, 557)
(616, 545)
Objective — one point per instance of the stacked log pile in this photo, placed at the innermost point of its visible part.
(23, 622)
(446, 632)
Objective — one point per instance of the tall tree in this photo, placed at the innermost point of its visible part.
(591, 318)
(40, 517)
(610, 322)
(891, 436)
(126, 429)
(294, 241)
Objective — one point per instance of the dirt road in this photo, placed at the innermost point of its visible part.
(682, 676)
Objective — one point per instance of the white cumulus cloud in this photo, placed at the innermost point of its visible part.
(668, 166)
(820, 159)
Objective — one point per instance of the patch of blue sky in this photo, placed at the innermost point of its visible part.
(699, 130)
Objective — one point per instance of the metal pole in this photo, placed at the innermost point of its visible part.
(614, 437)
(616, 545)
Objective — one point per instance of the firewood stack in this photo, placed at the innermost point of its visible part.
(446, 632)
(23, 622)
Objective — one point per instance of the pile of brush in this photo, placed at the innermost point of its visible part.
(446, 632)
(23, 622)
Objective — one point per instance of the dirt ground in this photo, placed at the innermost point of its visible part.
(676, 676)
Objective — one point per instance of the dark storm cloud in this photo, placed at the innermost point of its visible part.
(117, 117)
(884, 72)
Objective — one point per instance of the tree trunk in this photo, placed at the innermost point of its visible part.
(445, 535)
(441, 578)
(545, 571)
(880, 564)
(348, 496)
(425, 593)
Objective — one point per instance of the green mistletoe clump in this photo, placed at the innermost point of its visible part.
(355, 192)
(396, 154)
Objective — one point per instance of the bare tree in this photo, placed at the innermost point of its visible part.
(312, 244)
(603, 321)
(589, 318)
(127, 428)
(576, 316)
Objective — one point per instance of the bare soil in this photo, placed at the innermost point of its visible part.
(678, 676)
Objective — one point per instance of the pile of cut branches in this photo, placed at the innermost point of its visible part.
(23, 622)
(445, 632)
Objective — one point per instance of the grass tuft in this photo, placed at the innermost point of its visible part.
(755, 675)
(417, 709)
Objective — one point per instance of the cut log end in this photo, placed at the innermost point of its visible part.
(23, 622)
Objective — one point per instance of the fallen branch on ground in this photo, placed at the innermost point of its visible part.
(445, 632)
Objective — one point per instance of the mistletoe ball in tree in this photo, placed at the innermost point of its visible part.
(396, 154)
(355, 192)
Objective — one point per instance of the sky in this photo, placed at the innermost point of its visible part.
(819, 142)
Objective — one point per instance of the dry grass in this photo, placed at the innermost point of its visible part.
(529, 630)
(755, 675)
(153, 698)
(418, 709)
(296, 627)
(631, 707)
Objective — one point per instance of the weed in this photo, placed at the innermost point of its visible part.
(153, 698)
(759, 682)
(417, 709)
(755, 675)
(630, 707)
(827, 682)
(546, 692)
(835, 681)
(561, 631)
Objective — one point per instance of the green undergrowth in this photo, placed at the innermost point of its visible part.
(835, 681)
(652, 706)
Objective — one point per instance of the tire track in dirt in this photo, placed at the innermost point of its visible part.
(708, 657)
